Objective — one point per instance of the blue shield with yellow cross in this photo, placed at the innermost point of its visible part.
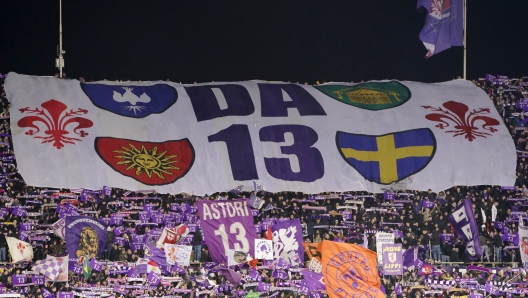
(388, 158)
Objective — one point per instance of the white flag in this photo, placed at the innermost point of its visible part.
(59, 229)
(483, 215)
(178, 254)
(63, 276)
(264, 249)
(20, 250)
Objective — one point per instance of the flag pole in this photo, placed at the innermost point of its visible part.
(465, 37)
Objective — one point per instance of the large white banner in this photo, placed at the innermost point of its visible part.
(372, 136)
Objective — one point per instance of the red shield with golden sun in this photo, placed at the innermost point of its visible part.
(150, 163)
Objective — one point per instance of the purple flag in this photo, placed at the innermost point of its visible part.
(65, 295)
(227, 225)
(38, 279)
(314, 281)
(478, 268)
(46, 293)
(176, 268)
(411, 256)
(287, 241)
(264, 287)
(280, 274)
(398, 289)
(91, 196)
(18, 279)
(85, 236)
(120, 289)
(232, 276)
(107, 191)
(21, 212)
(155, 254)
(444, 25)
(282, 264)
(447, 237)
(96, 266)
(254, 275)
(116, 221)
(466, 228)
(389, 195)
(427, 204)
(392, 259)
(153, 278)
(25, 227)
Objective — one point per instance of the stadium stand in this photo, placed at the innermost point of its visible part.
(417, 219)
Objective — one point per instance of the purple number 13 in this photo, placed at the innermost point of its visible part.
(242, 156)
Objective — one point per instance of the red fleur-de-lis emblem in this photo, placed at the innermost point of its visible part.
(21, 247)
(56, 120)
(465, 123)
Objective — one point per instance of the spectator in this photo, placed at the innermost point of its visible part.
(197, 245)
(497, 246)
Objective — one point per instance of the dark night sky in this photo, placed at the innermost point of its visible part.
(242, 40)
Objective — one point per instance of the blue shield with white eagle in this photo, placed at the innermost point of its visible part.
(131, 100)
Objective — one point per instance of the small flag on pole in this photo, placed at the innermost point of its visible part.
(444, 25)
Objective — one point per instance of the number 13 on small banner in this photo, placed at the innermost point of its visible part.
(227, 226)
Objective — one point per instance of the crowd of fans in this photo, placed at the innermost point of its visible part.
(412, 224)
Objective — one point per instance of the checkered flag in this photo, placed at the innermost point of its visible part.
(49, 268)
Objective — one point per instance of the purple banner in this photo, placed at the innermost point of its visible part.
(227, 225)
(153, 278)
(463, 221)
(514, 238)
(85, 236)
(38, 279)
(96, 266)
(427, 204)
(411, 256)
(447, 237)
(65, 295)
(389, 195)
(18, 279)
(107, 191)
(287, 241)
(392, 259)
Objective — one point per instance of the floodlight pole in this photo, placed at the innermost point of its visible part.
(465, 37)
(59, 62)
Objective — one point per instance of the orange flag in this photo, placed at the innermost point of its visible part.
(313, 250)
(350, 271)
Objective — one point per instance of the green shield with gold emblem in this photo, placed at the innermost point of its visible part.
(372, 96)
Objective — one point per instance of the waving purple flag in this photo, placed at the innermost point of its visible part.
(427, 204)
(463, 220)
(46, 293)
(411, 256)
(287, 241)
(232, 276)
(153, 278)
(85, 236)
(314, 281)
(444, 25)
(155, 254)
(227, 225)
